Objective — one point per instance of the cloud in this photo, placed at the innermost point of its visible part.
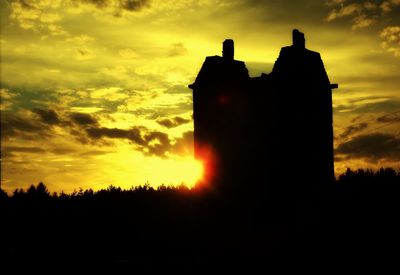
(82, 39)
(6, 94)
(92, 153)
(115, 8)
(391, 40)
(389, 118)
(128, 53)
(6, 97)
(118, 72)
(133, 5)
(174, 122)
(184, 145)
(110, 93)
(44, 16)
(38, 16)
(48, 116)
(22, 124)
(335, 2)
(133, 135)
(83, 119)
(344, 10)
(373, 147)
(362, 13)
(129, 5)
(84, 53)
(36, 124)
(151, 143)
(157, 143)
(177, 49)
(353, 129)
(368, 104)
(387, 6)
(9, 151)
(362, 21)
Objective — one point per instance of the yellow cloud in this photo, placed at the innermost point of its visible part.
(391, 40)
(86, 110)
(112, 93)
(127, 53)
(80, 39)
(38, 15)
(117, 72)
(84, 53)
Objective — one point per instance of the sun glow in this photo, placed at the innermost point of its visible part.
(207, 157)
(131, 168)
(186, 170)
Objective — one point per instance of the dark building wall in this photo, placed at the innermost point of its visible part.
(270, 130)
(218, 109)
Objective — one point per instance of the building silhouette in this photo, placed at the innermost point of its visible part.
(270, 131)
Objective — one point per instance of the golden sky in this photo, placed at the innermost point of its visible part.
(94, 92)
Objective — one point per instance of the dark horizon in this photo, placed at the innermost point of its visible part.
(352, 225)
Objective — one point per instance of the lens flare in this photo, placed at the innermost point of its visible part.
(194, 171)
(207, 157)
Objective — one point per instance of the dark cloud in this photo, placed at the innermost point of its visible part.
(152, 143)
(98, 3)
(48, 116)
(392, 104)
(389, 118)
(178, 89)
(134, 5)
(184, 145)
(287, 12)
(83, 119)
(14, 124)
(24, 4)
(177, 49)
(363, 13)
(388, 78)
(133, 135)
(94, 153)
(355, 105)
(372, 147)
(353, 129)
(117, 6)
(9, 151)
(173, 122)
(149, 142)
(158, 144)
(62, 150)
(127, 5)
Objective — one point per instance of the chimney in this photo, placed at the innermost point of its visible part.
(228, 49)
(298, 39)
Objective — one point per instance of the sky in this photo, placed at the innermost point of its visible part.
(94, 92)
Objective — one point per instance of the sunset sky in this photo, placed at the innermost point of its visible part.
(94, 92)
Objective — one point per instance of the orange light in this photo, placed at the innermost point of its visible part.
(206, 155)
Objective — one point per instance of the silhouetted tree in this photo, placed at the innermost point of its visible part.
(180, 223)
(3, 194)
